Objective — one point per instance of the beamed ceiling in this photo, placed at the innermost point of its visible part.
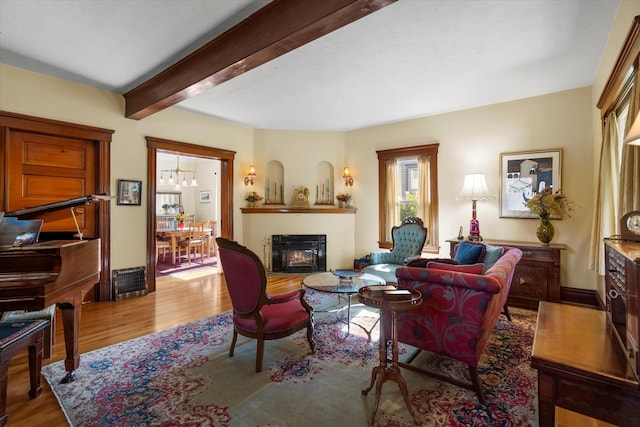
(308, 64)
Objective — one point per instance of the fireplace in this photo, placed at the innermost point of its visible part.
(298, 253)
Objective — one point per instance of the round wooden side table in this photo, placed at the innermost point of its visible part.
(389, 369)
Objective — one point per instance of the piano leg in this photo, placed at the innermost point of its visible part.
(71, 324)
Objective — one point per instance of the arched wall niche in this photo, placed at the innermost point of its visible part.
(274, 183)
(325, 183)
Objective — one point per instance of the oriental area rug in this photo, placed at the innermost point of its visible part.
(185, 377)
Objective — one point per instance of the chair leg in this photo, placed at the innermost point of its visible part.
(505, 311)
(260, 353)
(312, 342)
(233, 343)
(475, 379)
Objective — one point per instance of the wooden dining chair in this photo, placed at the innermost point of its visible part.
(211, 236)
(194, 242)
(163, 247)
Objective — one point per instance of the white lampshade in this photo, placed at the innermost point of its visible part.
(633, 136)
(475, 188)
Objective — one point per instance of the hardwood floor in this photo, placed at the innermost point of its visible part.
(176, 302)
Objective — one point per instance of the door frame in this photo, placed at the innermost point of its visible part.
(226, 157)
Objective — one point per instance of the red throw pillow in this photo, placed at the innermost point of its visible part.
(462, 268)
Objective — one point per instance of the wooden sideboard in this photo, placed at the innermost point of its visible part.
(537, 275)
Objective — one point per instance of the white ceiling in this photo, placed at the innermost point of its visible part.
(410, 59)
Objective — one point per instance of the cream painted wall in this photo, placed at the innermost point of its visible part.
(300, 152)
(38, 95)
(471, 141)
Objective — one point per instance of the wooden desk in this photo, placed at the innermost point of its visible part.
(177, 235)
(581, 367)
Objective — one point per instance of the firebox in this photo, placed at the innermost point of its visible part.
(298, 253)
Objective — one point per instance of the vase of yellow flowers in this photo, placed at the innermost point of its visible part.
(549, 205)
(253, 198)
(181, 218)
(343, 199)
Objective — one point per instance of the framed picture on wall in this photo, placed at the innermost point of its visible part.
(524, 174)
(129, 192)
(205, 196)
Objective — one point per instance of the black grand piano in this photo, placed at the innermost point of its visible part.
(35, 275)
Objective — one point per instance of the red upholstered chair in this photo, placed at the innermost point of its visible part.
(256, 314)
(458, 312)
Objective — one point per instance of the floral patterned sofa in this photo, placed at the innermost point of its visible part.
(458, 312)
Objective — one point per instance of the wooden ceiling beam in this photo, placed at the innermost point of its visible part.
(279, 27)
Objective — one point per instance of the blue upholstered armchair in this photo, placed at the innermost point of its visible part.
(408, 240)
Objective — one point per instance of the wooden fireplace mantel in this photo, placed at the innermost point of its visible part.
(286, 209)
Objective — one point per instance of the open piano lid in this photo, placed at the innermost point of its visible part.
(15, 231)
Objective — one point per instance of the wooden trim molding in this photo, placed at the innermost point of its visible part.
(432, 245)
(285, 210)
(279, 27)
(626, 59)
(226, 157)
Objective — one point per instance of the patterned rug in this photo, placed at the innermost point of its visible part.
(185, 377)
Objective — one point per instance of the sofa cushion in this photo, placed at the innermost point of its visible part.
(470, 252)
(493, 253)
(462, 268)
(422, 262)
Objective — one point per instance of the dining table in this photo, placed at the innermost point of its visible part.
(178, 234)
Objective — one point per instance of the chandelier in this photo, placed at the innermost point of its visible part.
(177, 171)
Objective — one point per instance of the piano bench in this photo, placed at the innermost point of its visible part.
(14, 338)
(48, 313)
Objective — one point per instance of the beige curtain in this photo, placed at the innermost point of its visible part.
(424, 198)
(392, 209)
(630, 162)
(605, 212)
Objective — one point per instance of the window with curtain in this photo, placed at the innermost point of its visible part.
(408, 187)
(618, 188)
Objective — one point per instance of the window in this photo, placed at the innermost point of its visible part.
(407, 187)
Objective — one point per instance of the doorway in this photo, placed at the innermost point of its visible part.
(224, 190)
(189, 186)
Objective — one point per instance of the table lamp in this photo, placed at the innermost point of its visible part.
(474, 189)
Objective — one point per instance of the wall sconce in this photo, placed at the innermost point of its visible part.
(346, 175)
(474, 189)
(251, 176)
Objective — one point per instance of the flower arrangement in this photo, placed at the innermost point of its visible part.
(343, 197)
(182, 217)
(253, 197)
(548, 204)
